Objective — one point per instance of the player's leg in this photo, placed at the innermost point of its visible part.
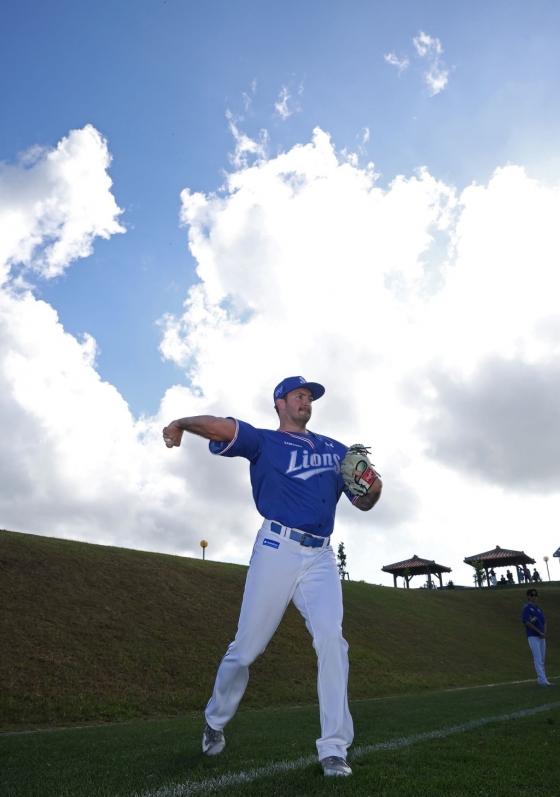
(319, 599)
(271, 581)
(538, 651)
(543, 657)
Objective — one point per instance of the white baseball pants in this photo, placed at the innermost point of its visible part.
(279, 573)
(538, 646)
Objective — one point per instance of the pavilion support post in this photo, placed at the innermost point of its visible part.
(487, 576)
(517, 571)
(408, 582)
(440, 581)
(394, 581)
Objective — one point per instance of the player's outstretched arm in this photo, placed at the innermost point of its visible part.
(369, 500)
(222, 430)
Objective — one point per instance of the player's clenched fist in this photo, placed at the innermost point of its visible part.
(172, 435)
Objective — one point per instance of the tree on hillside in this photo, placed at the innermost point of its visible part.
(341, 562)
(479, 574)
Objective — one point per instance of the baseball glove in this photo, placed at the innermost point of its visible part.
(357, 470)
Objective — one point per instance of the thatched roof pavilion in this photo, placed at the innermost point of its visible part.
(416, 567)
(500, 557)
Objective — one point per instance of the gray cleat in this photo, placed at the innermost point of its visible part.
(213, 742)
(335, 765)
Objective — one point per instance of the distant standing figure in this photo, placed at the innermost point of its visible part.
(536, 575)
(535, 627)
(527, 575)
(493, 578)
(521, 576)
(509, 577)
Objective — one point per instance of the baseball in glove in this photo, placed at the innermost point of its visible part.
(357, 471)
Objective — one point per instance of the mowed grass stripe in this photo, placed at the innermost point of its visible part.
(238, 778)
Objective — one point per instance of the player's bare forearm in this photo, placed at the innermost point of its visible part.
(369, 500)
(222, 430)
(534, 628)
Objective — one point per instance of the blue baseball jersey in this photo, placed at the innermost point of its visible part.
(295, 478)
(535, 615)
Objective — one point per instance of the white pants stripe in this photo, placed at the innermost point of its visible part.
(309, 577)
(538, 646)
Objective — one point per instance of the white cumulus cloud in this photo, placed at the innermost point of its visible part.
(54, 202)
(422, 310)
(246, 148)
(285, 106)
(307, 266)
(437, 74)
(394, 60)
(427, 46)
(429, 50)
(74, 462)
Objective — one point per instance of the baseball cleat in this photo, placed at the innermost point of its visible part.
(335, 765)
(213, 742)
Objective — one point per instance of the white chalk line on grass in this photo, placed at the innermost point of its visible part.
(236, 778)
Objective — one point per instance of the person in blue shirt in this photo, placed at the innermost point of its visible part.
(533, 618)
(296, 483)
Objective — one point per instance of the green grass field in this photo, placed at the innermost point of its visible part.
(500, 757)
(91, 633)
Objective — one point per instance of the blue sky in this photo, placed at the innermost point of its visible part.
(156, 79)
(450, 273)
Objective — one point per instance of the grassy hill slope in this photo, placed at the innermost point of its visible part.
(93, 633)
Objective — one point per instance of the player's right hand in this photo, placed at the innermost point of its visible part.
(172, 435)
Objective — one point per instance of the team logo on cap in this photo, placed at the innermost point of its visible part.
(302, 380)
(279, 391)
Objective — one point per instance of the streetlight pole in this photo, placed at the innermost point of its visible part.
(204, 546)
(545, 558)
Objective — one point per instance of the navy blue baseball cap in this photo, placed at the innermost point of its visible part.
(293, 382)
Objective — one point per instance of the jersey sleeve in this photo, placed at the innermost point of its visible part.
(526, 613)
(247, 442)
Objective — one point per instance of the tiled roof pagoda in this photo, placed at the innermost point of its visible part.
(416, 567)
(500, 557)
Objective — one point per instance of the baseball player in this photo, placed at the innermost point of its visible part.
(297, 478)
(534, 621)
